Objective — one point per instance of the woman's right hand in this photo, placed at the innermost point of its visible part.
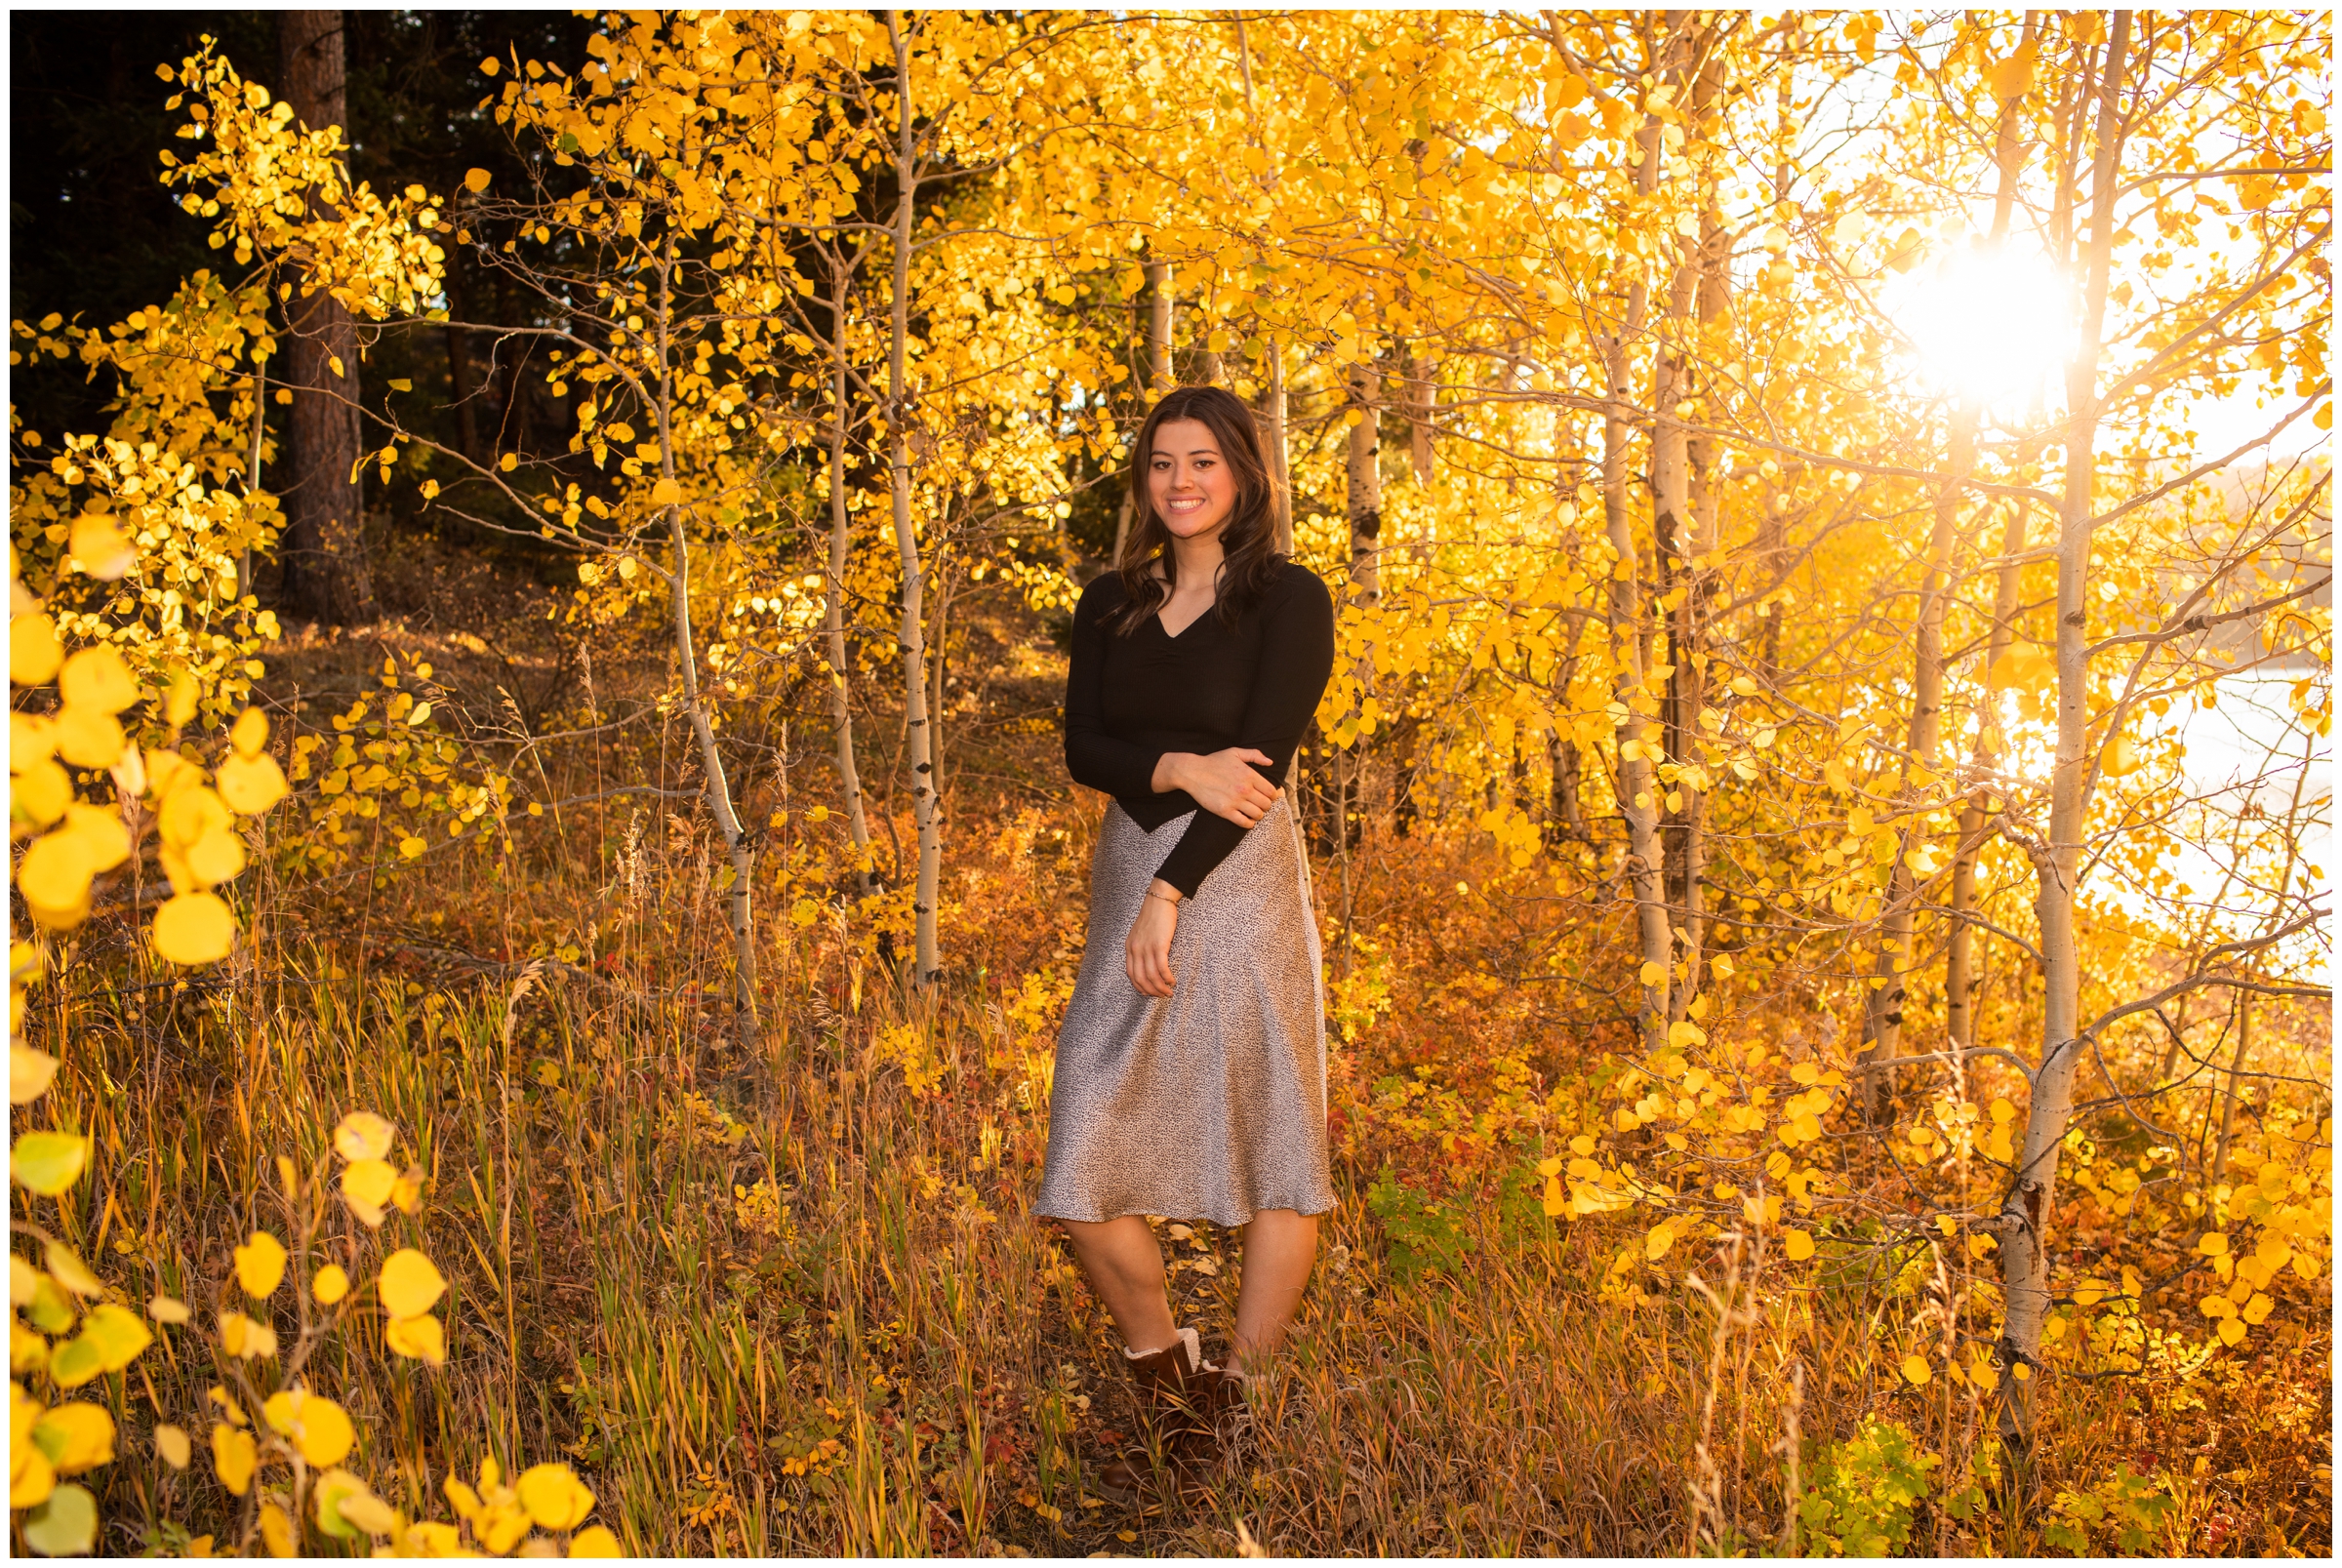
(1224, 783)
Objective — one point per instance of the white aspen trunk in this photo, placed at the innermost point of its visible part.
(1959, 984)
(1365, 473)
(1883, 1017)
(841, 709)
(2025, 1211)
(1959, 1023)
(928, 959)
(1637, 780)
(1159, 327)
(1280, 458)
(2235, 1071)
(737, 847)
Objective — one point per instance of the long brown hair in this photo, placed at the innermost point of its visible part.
(1250, 560)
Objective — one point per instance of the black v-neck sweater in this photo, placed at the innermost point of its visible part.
(1130, 699)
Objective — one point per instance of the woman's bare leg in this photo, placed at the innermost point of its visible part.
(1279, 1246)
(1125, 1267)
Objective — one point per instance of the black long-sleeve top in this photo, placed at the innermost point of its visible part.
(1130, 699)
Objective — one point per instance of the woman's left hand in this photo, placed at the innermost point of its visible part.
(1147, 952)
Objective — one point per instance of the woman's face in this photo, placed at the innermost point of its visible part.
(1191, 487)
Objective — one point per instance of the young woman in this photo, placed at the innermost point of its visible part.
(1190, 1071)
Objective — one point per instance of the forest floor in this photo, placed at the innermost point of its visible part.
(783, 1294)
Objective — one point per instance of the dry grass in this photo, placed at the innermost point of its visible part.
(778, 1304)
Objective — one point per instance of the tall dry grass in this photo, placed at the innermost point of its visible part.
(791, 1302)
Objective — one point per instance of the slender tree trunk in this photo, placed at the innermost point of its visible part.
(841, 538)
(323, 549)
(738, 846)
(1159, 287)
(1365, 470)
(929, 957)
(1960, 1025)
(460, 384)
(1279, 455)
(2025, 1211)
(1422, 405)
(1160, 301)
(1636, 781)
(1959, 984)
(2235, 1071)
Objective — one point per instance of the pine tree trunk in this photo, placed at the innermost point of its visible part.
(924, 815)
(2025, 1211)
(323, 548)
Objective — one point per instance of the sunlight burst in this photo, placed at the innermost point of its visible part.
(1994, 325)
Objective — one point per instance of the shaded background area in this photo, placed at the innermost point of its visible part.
(94, 235)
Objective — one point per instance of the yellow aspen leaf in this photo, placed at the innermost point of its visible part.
(250, 732)
(597, 1542)
(1655, 1244)
(246, 1338)
(47, 1163)
(75, 1437)
(667, 493)
(2256, 1310)
(68, 1270)
(1796, 1245)
(476, 181)
(56, 872)
(33, 651)
(29, 1074)
(276, 1530)
(1653, 972)
(410, 845)
(2232, 1331)
(116, 1334)
(363, 1135)
(167, 1309)
(407, 1192)
(32, 1479)
(1915, 1370)
(95, 678)
(215, 858)
(337, 1489)
(234, 1456)
(318, 1427)
(369, 1182)
(2213, 1245)
(98, 549)
(2021, 1372)
(331, 1284)
(88, 738)
(75, 1361)
(410, 1285)
(65, 1525)
(41, 792)
(173, 1445)
(250, 786)
(194, 928)
(555, 1496)
(333, 361)
(419, 1339)
(400, 384)
(368, 1513)
(261, 1264)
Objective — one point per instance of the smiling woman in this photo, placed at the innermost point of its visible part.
(1190, 1071)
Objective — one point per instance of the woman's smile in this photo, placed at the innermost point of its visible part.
(1191, 486)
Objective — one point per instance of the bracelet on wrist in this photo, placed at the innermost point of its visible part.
(1167, 898)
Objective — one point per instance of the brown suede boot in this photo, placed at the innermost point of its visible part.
(1179, 1398)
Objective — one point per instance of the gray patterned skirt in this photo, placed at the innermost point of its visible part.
(1208, 1103)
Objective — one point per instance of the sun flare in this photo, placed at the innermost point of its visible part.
(1993, 325)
